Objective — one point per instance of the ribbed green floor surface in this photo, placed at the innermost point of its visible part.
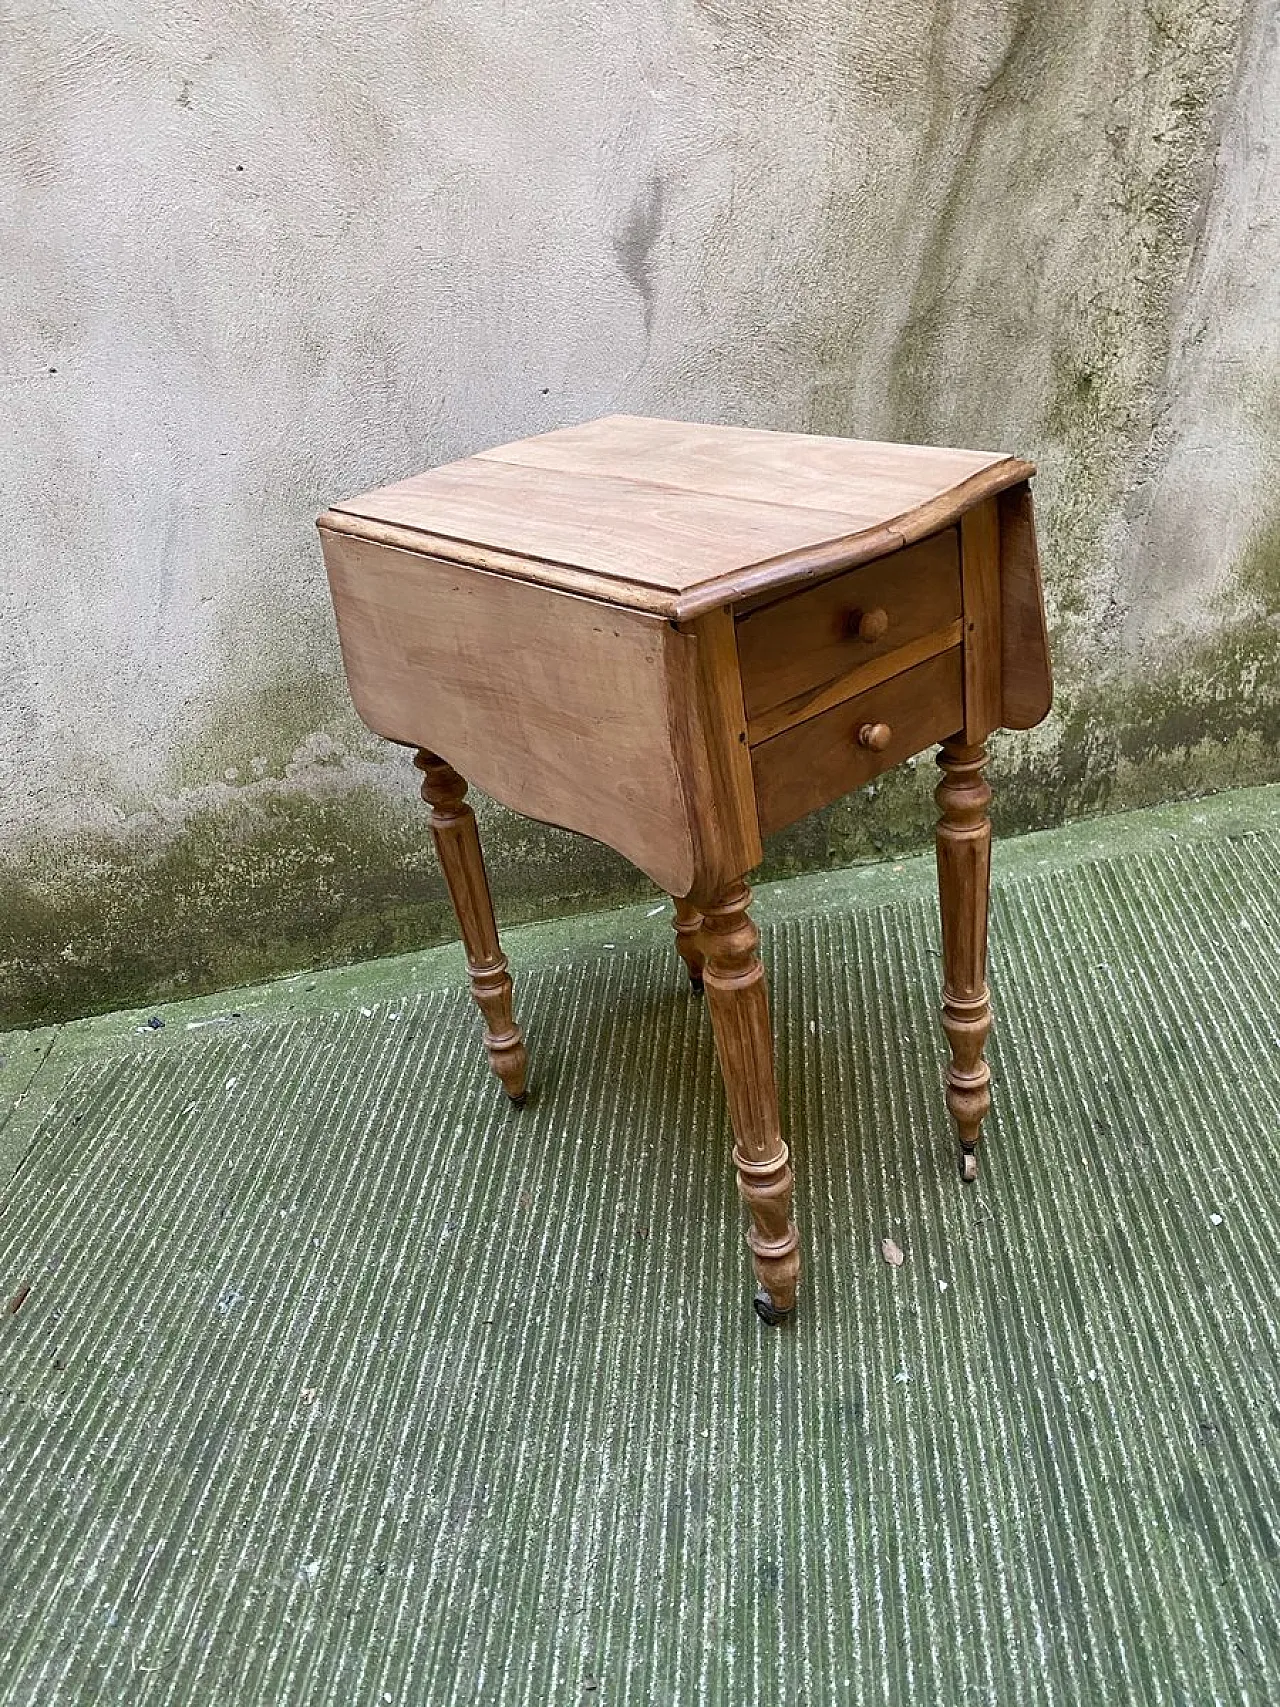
(340, 1383)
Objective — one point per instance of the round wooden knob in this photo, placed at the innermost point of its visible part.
(869, 625)
(875, 736)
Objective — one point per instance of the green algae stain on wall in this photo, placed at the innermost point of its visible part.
(1218, 688)
(262, 883)
(1202, 715)
(1259, 574)
(263, 729)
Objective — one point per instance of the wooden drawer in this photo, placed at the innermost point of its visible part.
(817, 761)
(815, 648)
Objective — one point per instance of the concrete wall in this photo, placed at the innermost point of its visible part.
(260, 256)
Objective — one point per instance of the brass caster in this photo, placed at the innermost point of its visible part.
(518, 1102)
(769, 1312)
(968, 1166)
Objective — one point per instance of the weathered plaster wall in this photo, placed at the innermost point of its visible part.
(259, 256)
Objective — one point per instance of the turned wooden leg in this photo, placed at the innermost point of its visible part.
(744, 1043)
(453, 828)
(687, 925)
(964, 875)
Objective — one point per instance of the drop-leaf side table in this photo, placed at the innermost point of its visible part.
(678, 639)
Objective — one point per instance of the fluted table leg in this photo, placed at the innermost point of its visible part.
(964, 876)
(735, 986)
(453, 828)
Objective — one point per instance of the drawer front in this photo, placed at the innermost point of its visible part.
(817, 761)
(833, 640)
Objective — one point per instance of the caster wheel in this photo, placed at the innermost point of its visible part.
(518, 1102)
(695, 985)
(769, 1312)
(968, 1167)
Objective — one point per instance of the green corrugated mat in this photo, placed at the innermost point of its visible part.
(339, 1382)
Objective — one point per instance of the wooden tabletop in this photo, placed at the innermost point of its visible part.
(673, 517)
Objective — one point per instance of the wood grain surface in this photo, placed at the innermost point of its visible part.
(980, 581)
(817, 761)
(1026, 670)
(796, 646)
(556, 706)
(675, 518)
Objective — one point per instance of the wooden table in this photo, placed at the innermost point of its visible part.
(678, 639)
